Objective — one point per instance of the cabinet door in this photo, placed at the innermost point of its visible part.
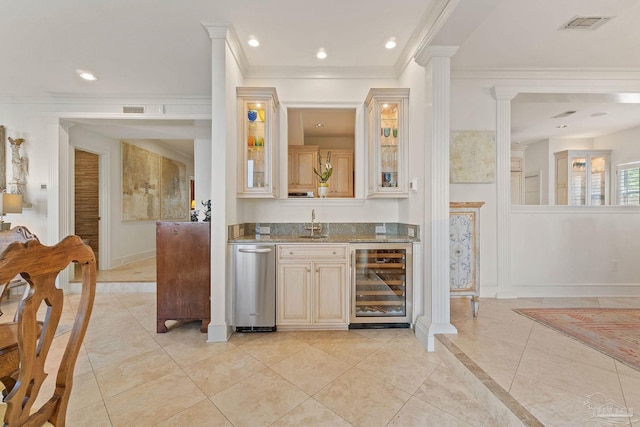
(294, 297)
(341, 181)
(257, 119)
(516, 188)
(306, 160)
(387, 140)
(330, 293)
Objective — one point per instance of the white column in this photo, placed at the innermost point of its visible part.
(218, 329)
(436, 320)
(503, 183)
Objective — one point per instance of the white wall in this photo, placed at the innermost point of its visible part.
(571, 251)
(536, 232)
(623, 145)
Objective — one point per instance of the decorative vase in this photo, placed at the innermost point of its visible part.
(323, 189)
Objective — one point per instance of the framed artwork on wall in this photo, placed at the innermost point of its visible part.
(473, 157)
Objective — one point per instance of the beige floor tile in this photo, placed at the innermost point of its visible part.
(259, 400)
(90, 416)
(417, 413)
(617, 302)
(202, 414)
(569, 375)
(311, 369)
(510, 327)
(630, 382)
(85, 392)
(272, 349)
(443, 390)
(153, 402)
(111, 351)
(310, 413)
(349, 347)
(223, 370)
(362, 399)
(405, 370)
(134, 372)
(551, 405)
(186, 354)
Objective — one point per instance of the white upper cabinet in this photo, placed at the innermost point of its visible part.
(387, 134)
(257, 136)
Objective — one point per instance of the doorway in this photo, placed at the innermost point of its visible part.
(87, 199)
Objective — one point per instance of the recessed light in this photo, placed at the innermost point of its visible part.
(561, 126)
(253, 42)
(87, 75)
(319, 125)
(322, 54)
(391, 43)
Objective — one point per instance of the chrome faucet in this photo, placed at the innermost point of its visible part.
(313, 220)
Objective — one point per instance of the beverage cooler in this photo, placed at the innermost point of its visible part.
(381, 276)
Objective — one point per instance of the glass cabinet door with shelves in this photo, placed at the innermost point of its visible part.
(387, 142)
(582, 177)
(257, 118)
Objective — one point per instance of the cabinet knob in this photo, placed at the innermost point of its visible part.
(334, 252)
(290, 253)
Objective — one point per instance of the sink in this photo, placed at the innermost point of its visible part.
(315, 236)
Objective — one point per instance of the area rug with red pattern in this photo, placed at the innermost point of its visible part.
(612, 331)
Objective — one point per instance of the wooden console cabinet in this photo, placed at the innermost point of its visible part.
(183, 273)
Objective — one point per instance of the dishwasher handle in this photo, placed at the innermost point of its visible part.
(255, 251)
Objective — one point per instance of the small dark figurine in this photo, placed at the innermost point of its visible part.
(194, 216)
(207, 212)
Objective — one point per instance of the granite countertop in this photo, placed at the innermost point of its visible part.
(331, 238)
(331, 232)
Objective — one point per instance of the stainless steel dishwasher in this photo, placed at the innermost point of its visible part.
(254, 278)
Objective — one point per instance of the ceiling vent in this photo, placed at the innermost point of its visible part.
(133, 109)
(565, 114)
(586, 22)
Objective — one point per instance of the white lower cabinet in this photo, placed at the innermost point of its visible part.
(312, 286)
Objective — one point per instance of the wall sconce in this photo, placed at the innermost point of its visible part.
(9, 203)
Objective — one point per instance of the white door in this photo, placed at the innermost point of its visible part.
(532, 189)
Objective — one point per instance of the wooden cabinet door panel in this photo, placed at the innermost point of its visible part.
(330, 293)
(294, 298)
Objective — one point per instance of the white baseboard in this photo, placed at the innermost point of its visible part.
(115, 287)
(118, 262)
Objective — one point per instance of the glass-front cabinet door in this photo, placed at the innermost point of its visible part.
(387, 142)
(582, 177)
(257, 118)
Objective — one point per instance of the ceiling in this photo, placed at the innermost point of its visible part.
(151, 48)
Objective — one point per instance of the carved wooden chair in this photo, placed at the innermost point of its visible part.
(25, 343)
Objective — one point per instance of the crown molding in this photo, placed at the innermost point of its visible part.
(546, 73)
(431, 24)
(225, 31)
(321, 73)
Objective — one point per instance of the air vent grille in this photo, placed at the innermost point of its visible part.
(586, 22)
(133, 109)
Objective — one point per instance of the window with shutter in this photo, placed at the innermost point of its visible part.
(629, 184)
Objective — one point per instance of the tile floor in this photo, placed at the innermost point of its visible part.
(127, 375)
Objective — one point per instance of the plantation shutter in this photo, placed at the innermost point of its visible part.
(629, 184)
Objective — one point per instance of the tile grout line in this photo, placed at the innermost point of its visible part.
(507, 402)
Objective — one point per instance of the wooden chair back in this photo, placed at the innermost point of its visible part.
(38, 317)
